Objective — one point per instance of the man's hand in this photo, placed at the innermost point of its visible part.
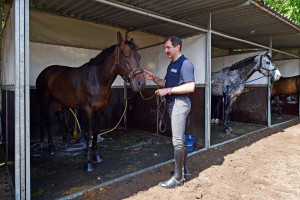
(161, 92)
(149, 75)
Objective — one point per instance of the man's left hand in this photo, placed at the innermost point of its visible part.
(161, 92)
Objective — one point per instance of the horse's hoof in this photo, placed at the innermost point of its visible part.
(88, 167)
(51, 150)
(97, 158)
(230, 129)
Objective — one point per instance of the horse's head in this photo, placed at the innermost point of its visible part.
(268, 68)
(128, 64)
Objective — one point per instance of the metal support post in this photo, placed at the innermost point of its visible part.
(22, 129)
(208, 85)
(269, 88)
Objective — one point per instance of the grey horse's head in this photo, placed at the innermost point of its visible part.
(268, 68)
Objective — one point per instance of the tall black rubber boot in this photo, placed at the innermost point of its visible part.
(176, 179)
(186, 173)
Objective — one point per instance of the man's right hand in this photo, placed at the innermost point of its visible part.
(149, 75)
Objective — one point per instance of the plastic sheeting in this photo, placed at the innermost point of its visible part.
(289, 68)
(54, 29)
(43, 55)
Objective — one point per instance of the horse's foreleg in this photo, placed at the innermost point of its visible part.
(226, 121)
(96, 156)
(88, 124)
(228, 109)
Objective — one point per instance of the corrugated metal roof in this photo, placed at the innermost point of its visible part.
(233, 17)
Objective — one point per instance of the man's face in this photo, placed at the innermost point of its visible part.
(170, 50)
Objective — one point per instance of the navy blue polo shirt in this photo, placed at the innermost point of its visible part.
(179, 72)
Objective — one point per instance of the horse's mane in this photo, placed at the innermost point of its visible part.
(108, 51)
(241, 63)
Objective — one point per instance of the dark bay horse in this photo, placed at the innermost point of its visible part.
(240, 72)
(290, 85)
(285, 86)
(89, 87)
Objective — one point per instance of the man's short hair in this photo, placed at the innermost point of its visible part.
(175, 41)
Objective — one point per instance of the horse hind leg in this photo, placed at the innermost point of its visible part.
(42, 124)
(48, 125)
(46, 118)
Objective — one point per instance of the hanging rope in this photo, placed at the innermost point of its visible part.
(105, 131)
(159, 102)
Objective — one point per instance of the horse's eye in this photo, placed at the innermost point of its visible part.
(127, 57)
(268, 62)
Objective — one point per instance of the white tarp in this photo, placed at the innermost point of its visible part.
(155, 60)
(226, 61)
(54, 29)
(289, 68)
(55, 41)
(43, 55)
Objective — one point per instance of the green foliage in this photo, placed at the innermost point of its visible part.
(290, 8)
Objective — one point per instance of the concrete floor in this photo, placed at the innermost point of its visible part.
(123, 152)
(218, 135)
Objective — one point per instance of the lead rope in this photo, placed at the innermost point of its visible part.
(161, 112)
(108, 130)
(238, 84)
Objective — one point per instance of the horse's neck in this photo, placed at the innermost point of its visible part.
(105, 72)
(248, 71)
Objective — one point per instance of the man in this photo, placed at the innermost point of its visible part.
(178, 83)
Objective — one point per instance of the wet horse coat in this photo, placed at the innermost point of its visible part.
(89, 87)
(238, 73)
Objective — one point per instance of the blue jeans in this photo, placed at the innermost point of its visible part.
(178, 111)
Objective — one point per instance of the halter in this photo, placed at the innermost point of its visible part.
(261, 67)
(133, 72)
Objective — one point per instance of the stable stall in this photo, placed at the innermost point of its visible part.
(72, 32)
(249, 112)
(286, 99)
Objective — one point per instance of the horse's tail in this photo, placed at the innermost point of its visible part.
(41, 83)
(41, 89)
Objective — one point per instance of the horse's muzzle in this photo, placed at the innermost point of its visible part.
(276, 75)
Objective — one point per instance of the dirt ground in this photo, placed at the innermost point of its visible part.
(264, 165)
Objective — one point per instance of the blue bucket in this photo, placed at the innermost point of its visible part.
(190, 142)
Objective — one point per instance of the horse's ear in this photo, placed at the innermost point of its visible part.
(132, 40)
(120, 38)
(268, 53)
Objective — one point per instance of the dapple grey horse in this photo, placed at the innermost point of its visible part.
(237, 74)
